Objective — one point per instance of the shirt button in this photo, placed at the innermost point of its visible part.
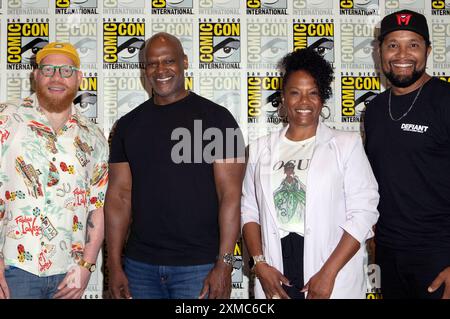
(308, 231)
(53, 159)
(48, 201)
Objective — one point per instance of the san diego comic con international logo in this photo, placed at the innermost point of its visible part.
(267, 42)
(122, 92)
(24, 40)
(312, 7)
(359, 7)
(172, 6)
(222, 87)
(358, 44)
(220, 43)
(440, 32)
(76, 6)
(82, 33)
(182, 27)
(122, 42)
(259, 7)
(264, 97)
(219, 7)
(440, 7)
(395, 5)
(317, 34)
(27, 7)
(123, 6)
(356, 93)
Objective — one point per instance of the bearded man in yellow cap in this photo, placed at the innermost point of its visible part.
(53, 178)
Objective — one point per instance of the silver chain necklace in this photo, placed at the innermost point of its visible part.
(410, 108)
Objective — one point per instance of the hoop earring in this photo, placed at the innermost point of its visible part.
(325, 113)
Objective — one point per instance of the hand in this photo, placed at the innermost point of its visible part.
(442, 278)
(4, 290)
(118, 283)
(217, 284)
(74, 284)
(320, 286)
(271, 280)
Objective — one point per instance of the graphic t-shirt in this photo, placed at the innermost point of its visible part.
(288, 181)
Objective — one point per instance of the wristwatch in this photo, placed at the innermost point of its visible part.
(87, 265)
(228, 258)
(255, 260)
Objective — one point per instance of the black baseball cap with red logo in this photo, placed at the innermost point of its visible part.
(405, 20)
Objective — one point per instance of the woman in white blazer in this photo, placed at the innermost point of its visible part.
(307, 214)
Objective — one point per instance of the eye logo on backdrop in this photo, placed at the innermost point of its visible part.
(220, 44)
(76, 6)
(224, 88)
(359, 7)
(27, 7)
(312, 7)
(172, 7)
(358, 45)
(440, 31)
(264, 97)
(122, 42)
(395, 5)
(356, 94)
(123, 6)
(267, 42)
(182, 28)
(24, 40)
(219, 7)
(83, 35)
(317, 36)
(440, 7)
(86, 98)
(259, 7)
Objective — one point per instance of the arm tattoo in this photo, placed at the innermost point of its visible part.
(89, 226)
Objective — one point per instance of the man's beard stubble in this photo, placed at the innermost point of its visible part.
(54, 103)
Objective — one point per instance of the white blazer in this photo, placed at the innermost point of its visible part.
(342, 194)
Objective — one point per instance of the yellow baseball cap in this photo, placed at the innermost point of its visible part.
(66, 49)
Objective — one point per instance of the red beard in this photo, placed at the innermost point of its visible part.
(54, 103)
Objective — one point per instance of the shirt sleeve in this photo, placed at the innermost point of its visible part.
(118, 153)
(99, 176)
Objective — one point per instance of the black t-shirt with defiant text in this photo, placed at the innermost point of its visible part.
(174, 198)
(411, 161)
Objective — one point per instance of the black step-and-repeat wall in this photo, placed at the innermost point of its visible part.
(233, 48)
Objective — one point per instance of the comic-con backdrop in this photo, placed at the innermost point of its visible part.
(233, 48)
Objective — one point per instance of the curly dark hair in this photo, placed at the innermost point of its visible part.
(312, 62)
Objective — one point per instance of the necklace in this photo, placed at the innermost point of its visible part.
(410, 108)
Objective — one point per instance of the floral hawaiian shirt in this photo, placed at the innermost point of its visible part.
(49, 182)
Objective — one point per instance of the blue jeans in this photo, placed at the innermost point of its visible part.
(25, 285)
(148, 281)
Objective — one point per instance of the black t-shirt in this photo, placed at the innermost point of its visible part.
(174, 205)
(411, 161)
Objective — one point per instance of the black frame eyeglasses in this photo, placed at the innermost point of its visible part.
(65, 71)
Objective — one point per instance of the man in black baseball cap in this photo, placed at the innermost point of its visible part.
(407, 142)
(405, 20)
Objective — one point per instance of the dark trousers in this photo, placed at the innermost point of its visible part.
(408, 274)
(292, 248)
